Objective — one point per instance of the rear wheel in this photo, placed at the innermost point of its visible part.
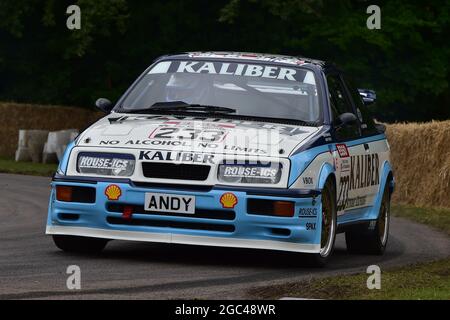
(372, 238)
(79, 244)
(328, 227)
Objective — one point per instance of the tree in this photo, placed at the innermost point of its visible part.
(406, 61)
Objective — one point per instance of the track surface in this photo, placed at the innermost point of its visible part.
(32, 268)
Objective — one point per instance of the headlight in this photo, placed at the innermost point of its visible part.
(250, 173)
(106, 164)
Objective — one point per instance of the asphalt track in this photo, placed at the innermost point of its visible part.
(31, 267)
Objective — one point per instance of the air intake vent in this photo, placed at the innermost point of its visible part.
(175, 171)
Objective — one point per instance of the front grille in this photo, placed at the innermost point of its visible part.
(171, 224)
(175, 186)
(199, 213)
(181, 171)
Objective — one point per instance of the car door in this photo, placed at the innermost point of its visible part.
(349, 152)
(376, 149)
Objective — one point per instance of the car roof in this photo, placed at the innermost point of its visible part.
(257, 57)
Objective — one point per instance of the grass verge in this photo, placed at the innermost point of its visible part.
(420, 281)
(438, 218)
(29, 168)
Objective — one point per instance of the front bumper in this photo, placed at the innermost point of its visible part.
(212, 226)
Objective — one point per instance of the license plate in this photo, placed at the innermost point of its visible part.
(161, 202)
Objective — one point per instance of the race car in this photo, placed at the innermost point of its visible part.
(229, 149)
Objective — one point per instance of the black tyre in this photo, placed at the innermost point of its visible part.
(328, 227)
(372, 238)
(79, 244)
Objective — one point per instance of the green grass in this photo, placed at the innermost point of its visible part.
(438, 218)
(422, 281)
(29, 168)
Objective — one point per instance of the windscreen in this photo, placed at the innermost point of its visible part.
(259, 90)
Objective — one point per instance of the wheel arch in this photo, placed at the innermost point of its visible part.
(391, 182)
(326, 172)
(387, 179)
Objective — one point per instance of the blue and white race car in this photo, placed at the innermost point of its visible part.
(229, 149)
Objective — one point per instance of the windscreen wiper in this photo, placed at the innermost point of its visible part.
(181, 106)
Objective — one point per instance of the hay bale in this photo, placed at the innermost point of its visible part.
(420, 153)
(16, 116)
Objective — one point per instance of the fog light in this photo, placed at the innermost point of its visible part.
(64, 193)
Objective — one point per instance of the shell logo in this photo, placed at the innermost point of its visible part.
(113, 192)
(228, 200)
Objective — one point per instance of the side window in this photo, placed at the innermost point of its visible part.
(367, 124)
(340, 104)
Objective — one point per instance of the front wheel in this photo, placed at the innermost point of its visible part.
(328, 227)
(372, 238)
(79, 244)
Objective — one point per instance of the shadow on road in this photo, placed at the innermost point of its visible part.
(173, 254)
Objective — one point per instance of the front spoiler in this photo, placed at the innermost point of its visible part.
(183, 239)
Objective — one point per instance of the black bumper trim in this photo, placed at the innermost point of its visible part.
(271, 192)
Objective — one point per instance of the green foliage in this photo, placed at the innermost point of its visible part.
(406, 61)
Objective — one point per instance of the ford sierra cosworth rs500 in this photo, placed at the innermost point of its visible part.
(229, 149)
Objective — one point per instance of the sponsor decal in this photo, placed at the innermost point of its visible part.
(158, 143)
(232, 69)
(246, 56)
(113, 192)
(311, 226)
(244, 149)
(176, 156)
(308, 180)
(200, 124)
(186, 144)
(308, 212)
(103, 162)
(228, 200)
(356, 202)
(231, 171)
(364, 173)
(345, 165)
(342, 150)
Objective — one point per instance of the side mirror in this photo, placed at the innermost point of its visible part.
(346, 119)
(368, 96)
(104, 105)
